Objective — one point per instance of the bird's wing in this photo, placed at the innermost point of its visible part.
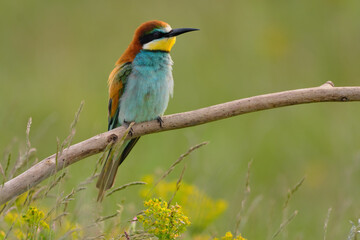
(117, 81)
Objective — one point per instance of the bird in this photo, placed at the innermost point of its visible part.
(140, 87)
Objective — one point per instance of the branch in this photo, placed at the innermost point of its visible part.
(47, 167)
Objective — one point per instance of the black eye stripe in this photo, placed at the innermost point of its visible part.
(151, 36)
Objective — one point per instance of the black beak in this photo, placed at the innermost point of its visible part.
(178, 31)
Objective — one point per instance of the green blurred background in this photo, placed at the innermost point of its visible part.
(53, 54)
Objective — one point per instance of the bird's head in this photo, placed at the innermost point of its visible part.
(154, 36)
(158, 36)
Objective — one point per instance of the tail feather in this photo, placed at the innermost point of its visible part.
(108, 173)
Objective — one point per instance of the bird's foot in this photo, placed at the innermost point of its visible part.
(126, 124)
(160, 121)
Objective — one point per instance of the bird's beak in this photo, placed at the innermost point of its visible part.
(177, 31)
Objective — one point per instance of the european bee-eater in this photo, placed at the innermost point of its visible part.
(139, 87)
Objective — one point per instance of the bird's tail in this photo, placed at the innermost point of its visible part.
(108, 173)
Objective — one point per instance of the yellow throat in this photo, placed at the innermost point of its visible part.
(163, 44)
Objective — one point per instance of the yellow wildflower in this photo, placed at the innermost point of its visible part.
(165, 222)
(196, 204)
(229, 236)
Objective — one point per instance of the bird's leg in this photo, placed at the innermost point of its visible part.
(126, 124)
(160, 121)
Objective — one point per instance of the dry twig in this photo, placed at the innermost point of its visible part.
(47, 167)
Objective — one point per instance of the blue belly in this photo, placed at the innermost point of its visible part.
(148, 87)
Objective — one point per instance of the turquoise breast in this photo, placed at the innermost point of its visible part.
(148, 87)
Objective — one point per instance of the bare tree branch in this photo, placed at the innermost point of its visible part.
(47, 167)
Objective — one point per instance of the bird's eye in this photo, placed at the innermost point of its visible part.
(151, 36)
(156, 34)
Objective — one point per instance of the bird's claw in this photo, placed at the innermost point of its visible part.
(126, 124)
(160, 121)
